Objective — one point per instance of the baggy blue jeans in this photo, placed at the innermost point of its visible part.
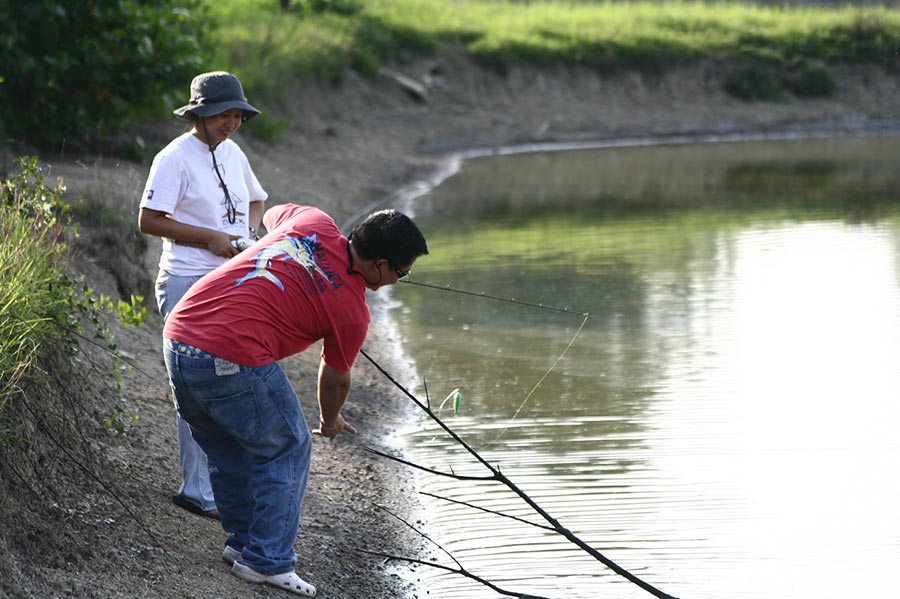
(195, 483)
(251, 425)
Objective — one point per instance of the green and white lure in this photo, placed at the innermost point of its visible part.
(456, 396)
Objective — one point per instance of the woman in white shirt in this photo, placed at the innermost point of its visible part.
(201, 195)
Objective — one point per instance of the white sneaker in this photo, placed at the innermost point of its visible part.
(230, 555)
(289, 581)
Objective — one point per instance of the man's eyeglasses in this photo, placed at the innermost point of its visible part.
(402, 274)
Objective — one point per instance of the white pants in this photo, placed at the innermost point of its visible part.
(195, 484)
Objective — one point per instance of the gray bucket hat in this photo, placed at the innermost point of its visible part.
(215, 92)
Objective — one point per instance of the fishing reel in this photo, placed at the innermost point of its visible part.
(241, 243)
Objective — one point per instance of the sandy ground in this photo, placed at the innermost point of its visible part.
(348, 149)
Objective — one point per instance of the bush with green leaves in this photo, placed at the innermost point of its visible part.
(341, 7)
(73, 71)
(43, 309)
(34, 296)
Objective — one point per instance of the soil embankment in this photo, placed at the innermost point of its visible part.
(347, 150)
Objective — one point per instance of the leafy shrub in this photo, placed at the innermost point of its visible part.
(43, 309)
(810, 79)
(34, 297)
(767, 78)
(340, 7)
(755, 80)
(75, 70)
(60, 373)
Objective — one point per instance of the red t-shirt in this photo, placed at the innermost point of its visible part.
(275, 299)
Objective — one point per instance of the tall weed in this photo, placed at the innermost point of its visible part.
(43, 309)
(34, 294)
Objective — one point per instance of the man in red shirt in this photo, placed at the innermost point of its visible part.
(301, 283)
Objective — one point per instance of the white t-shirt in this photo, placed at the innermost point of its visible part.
(182, 182)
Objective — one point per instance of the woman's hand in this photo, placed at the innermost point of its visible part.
(155, 222)
(219, 243)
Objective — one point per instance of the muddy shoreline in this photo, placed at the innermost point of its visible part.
(349, 150)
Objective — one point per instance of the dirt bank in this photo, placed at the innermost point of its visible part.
(349, 149)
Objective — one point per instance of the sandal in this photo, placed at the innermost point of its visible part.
(186, 504)
(230, 555)
(289, 581)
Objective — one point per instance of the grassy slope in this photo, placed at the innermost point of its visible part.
(771, 47)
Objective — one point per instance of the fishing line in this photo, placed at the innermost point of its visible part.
(546, 374)
(511, 300)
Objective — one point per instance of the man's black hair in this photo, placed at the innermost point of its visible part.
(390, 235)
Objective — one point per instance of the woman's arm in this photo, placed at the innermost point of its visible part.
(256, 214)
(161, 224)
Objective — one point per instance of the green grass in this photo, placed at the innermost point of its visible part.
(44, 310)
(33, 297)
(788, 48)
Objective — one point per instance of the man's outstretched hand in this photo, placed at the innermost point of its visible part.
(335, 429)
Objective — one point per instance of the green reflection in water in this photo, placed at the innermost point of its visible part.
(598, 232)
(654, 243)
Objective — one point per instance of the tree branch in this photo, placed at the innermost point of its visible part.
(500, 477)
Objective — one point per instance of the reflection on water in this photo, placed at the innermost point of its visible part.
(724, 425)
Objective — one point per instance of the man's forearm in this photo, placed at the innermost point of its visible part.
(334, 387)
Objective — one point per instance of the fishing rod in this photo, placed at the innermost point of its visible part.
(510, 300)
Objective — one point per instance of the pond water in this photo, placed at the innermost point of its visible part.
(723, 423)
